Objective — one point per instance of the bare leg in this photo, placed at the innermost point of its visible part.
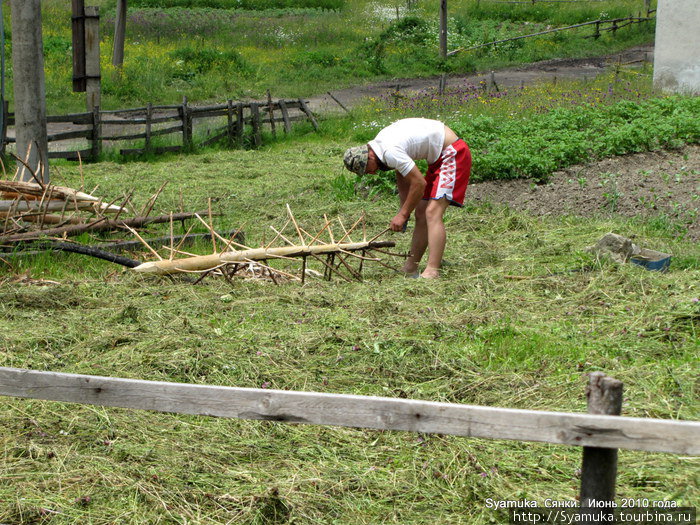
(420, 239)
(436, 236)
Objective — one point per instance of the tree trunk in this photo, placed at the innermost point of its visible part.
(29, 87)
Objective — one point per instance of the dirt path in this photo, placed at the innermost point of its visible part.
(579, 68)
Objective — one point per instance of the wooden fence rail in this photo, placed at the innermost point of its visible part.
(615, 24)
(679, 437)
(236, 121)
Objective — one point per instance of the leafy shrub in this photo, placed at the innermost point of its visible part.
(191, 61)
(536, 146)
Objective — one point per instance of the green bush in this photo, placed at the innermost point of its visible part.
(539, 144)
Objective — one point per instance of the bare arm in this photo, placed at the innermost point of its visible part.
(411, 189)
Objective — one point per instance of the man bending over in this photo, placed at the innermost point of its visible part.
(397, 147)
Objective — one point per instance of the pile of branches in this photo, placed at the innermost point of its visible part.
(39, 216)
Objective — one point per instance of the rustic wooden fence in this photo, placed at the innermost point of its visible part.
(235, 122)
(601, 26)
(600, 433)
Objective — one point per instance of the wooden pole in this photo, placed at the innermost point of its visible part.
(442, 84)
(285, 116)
(338, 101)
(599, 468)
(186, 116)
(443, 29)
(271, 114)
(78, 12)
(5, 116)
(149, 116)
(307, 111)
(255, 121)
(240, 123)
(119, 34)
(92, 57)
(229, 121)
(96, 137)
(29, 87)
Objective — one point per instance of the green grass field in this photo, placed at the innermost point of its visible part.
(476, 337)
(522, 314)
(206, 51)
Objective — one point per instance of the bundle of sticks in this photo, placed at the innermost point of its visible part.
(228, 256)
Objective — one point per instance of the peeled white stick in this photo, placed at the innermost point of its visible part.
(207, 262)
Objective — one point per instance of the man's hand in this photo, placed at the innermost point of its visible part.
(398, 223)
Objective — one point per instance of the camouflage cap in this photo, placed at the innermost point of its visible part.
(355, 159)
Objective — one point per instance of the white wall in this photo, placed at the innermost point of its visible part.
(677, 47)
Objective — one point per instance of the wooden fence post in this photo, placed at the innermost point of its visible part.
(96, 148)
(285, 116)
(240, 123)
(5, 116)
(92, 57)
(599, 467)
(308, 113)
(186, 124)
(272, 117)
(149, 116)
(443, 29)
(229, 121)
(255, 121)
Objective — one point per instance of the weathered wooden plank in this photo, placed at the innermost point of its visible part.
(198, 113)
(142, 135)
(305, 109)
(255, 122)
(141, 121)
(216, 137)
(285, 117)
(73, 118)
(70, 155)
(159, 149)
(680, 437)
(65, 135)
(139, 111)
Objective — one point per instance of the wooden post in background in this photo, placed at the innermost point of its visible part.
(96, 140)
(5, 116)
(599, 468)
(119, 34)
(186, 124)
(240, 124)
(92, 56)
(149, 124)
(229, 122)
(78, 12)
(29, 88)
(443, 29)
(271, 114)
(255, 122)
(285, 116)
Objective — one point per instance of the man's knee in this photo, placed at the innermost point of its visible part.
(435, 210)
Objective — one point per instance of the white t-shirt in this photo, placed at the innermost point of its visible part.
(408, 140)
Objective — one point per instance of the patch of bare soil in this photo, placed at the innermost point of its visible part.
(655, 184)
(546, 70)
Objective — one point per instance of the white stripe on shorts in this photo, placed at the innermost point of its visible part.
(448, 174)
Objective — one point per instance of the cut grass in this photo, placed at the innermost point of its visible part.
(476, 337)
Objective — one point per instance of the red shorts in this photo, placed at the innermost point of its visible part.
(449, 175)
